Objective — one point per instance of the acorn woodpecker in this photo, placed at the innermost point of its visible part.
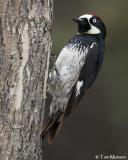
(75, 70)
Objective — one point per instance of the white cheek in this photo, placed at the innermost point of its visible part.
(93, 30)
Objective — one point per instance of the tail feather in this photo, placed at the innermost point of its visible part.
(52, 126)
(55, 129)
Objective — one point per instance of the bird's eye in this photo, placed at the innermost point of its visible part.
(94, 20)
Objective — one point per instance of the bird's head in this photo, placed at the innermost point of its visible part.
(90, 24)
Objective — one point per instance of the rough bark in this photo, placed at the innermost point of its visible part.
(25, 45)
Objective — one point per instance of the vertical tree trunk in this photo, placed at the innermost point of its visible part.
(25, 45)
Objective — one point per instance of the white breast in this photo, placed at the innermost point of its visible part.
(69, 64)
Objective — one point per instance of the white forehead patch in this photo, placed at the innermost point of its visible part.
(94, 29)
(88, 16)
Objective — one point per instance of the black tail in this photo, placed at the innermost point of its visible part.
(52, 126)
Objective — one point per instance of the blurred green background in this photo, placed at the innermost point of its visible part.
(100, 123)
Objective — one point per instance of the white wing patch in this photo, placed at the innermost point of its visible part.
(92, 45)
(78, 87)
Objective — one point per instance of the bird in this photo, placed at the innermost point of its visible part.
(74, 71)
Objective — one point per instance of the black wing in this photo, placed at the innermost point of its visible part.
(87, 76)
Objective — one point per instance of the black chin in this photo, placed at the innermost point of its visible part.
(83, 28)
(83, 25)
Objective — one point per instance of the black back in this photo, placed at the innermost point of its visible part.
(90, 69)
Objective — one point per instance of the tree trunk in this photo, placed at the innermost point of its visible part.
(25, 45)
